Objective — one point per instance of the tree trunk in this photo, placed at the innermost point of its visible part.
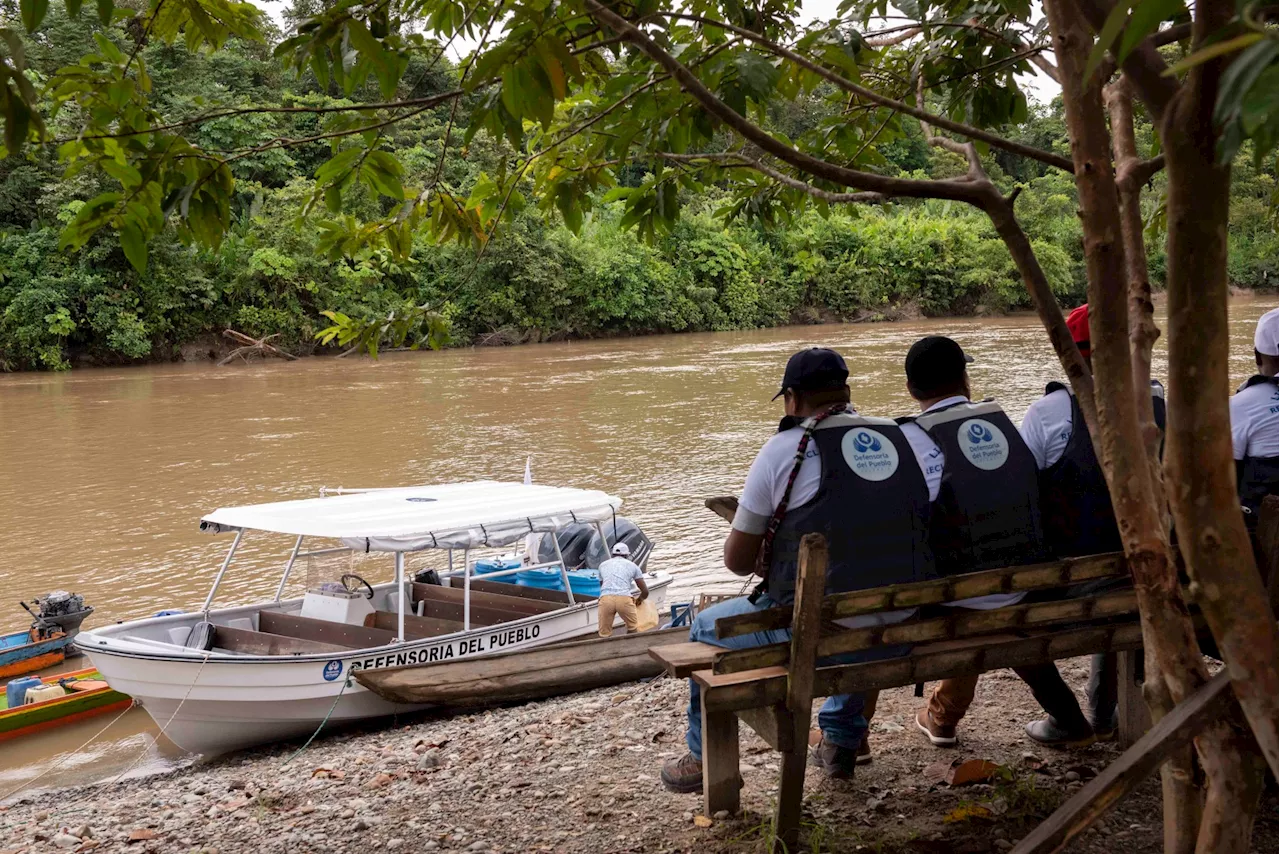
(1174, 666)
(1206, 509)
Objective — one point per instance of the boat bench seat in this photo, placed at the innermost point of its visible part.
(415, 627)
(341, 635)
(249, 642)
(487, 609)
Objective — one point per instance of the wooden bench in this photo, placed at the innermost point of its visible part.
(771, 688)
(323, 631)
(415, 628)
(557, 597)
(264, 643)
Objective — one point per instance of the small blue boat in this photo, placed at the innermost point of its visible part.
(31, 650)
(48, 641)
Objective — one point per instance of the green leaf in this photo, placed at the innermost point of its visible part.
(105, 10)
(1213, 51)
(1106, 38)
(73, 7)
(33, 12)
(135, 246)
(1145, 20)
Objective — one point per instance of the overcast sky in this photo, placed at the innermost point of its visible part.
(1039, 86)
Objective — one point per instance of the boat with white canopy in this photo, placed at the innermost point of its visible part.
(228, 678)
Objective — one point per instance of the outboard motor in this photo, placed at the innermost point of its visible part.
(573, 540)
(64, 610)
(619, 530)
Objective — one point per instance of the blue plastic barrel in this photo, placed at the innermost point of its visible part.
(585, 582)
(16, 689)
(497, 564)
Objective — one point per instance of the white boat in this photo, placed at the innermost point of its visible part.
(224, 679)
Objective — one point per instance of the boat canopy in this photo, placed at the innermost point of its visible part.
(447, 516)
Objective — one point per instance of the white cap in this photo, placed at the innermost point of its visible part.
(1266, 340)
(621, 549)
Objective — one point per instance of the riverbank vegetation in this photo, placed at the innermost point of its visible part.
(275, 272)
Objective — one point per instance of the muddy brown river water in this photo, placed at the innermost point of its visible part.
(104, 474)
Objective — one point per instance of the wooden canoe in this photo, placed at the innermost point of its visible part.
(21, 653)
(534, 674)
(87, 695)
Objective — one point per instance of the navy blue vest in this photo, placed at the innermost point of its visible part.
(1257, 477)
(987, 513)
(1074, 501)
(872, 505)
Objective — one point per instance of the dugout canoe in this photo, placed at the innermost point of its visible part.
(535, 674)
(86, 695)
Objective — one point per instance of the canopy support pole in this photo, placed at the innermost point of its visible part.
(564, 571)
(226, 562)
(466, 589)
(400, 597)
(288, 567)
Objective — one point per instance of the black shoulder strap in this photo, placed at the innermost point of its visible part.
(1259, 379)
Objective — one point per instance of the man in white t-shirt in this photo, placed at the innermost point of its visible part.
(617, 574)
(986, 514)
(1255, 408)
(789, 491)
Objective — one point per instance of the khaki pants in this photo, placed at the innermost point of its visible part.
(951, 698)
(622, 606)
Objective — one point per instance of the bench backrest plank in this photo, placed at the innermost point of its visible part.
(309, 628)
(962, 624)
(899, 596)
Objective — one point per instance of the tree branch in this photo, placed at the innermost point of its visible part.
(994, 140)
(737, 159)
(425, 102)
(1143, 65)
(969, 193)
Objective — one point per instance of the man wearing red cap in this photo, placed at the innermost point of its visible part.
(1078, 519)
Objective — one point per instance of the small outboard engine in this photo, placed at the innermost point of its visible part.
(60, 611)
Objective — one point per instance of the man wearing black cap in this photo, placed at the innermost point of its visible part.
(986, 516)
(829, 470)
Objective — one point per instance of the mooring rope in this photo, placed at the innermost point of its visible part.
(67, 756)
(164, 728)
(346, 683)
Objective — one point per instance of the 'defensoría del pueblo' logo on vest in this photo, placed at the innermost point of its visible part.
(983, 444)
(869, 453)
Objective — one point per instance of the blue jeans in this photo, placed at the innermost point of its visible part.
(840, 718)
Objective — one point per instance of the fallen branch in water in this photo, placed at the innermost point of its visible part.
(251, 346)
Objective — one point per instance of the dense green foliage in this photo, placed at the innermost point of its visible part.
(275, 272)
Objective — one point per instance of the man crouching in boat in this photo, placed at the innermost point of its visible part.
(616, 575)
(855, 480)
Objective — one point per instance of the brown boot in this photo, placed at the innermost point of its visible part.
(683, 775)
(939, 735)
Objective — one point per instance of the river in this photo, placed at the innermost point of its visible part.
(104, 474)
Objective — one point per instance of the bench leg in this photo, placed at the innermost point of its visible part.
(1135, 717)
(791, 797)
(719, 762)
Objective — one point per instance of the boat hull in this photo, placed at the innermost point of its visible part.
(221, 704)
(20, 655)
(60, 711)
(525, 674)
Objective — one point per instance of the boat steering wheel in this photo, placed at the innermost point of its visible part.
(353, 588)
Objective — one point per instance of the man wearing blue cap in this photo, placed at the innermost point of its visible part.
(857, 481)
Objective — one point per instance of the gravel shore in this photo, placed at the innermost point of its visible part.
(580, 774)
